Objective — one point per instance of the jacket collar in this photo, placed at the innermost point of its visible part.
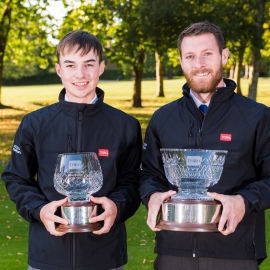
(222, 93)
(72, 108)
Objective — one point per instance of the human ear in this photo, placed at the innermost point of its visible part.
(225, 55)
(179, 57)
(58, 69)
(101, 67)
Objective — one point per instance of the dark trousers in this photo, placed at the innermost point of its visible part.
(31, 268)
(164, 262)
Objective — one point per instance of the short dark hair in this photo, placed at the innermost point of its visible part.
(81, 40)
(200, 28)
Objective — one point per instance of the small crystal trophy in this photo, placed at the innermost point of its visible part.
(192, 171)
(77, 176)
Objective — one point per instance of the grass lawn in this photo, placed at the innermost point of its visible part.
(24, 99)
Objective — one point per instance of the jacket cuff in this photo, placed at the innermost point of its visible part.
(145, 200)
(34, 210)
(248, 200)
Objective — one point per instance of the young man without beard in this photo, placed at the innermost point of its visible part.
(79, 122)
(244, 187)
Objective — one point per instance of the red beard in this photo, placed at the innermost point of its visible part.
(204, 87)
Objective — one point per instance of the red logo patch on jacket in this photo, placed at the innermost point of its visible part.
(103, 152)
(226, 137)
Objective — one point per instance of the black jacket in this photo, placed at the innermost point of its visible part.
(70, 127)
(246, 170)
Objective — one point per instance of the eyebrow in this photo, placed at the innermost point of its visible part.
(87, 61)
(207, 49)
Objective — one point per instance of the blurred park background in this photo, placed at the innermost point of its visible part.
(142, 73)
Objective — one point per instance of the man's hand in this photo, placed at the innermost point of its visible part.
(109, 214)
(232, 213)
(154, 204)
(48, 217)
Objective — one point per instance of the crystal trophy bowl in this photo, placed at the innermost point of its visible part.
(192, 171)
(77, 176)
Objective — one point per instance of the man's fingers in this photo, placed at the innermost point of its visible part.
(152, 219)
(106, 227)
(222, 224)
(154, 205)
(57, 219)
(100, 217)
(168, 194)
(98, 200)
(216, 216)
(151, 222)
(50, 226)
(60, 202)
(216, 196)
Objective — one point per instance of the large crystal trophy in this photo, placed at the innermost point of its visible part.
(192, 171)
(77, 176)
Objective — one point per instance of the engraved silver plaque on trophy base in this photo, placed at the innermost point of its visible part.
(192, 171)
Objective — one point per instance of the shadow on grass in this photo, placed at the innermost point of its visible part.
(41, 104)
(17, 117)
(3, 107)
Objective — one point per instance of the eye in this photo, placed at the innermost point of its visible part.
(89, 65)
(69, 66)
(189, 57)
(208, 53)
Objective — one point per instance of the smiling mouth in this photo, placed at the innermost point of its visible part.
(81, 83)
(202, 74)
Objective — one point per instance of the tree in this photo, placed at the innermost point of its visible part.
(4, 30)
(127, 46)
(24, 31)
(161, 27)
(260, 16)
(117, 24)
(242, 24)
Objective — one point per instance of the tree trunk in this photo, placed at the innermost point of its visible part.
(4, 30)
(231, 76)
(253, 82)
(138, 75)
(169, 73)
(246, 71)
(256, 49)
(240, 66)
(159, 75)
(236, 70)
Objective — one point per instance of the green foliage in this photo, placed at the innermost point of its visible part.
(28, 49)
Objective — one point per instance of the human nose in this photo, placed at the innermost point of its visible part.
(80, 72)
(199, 62)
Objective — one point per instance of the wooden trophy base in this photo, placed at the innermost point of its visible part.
(76, 228)
(187, 227)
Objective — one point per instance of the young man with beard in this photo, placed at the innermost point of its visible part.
(244, 187)
(79, 122)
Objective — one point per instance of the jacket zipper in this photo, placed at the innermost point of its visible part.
(79, 144)
(80, 126)
(194, 245)
(253, 232)
(70, 149)
(199, 133)
(74, 251)
(190, 134)
(198, 140)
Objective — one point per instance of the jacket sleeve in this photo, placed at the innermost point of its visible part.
(257, 194)
(153, 178)
(125, 194)
(19, 175)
